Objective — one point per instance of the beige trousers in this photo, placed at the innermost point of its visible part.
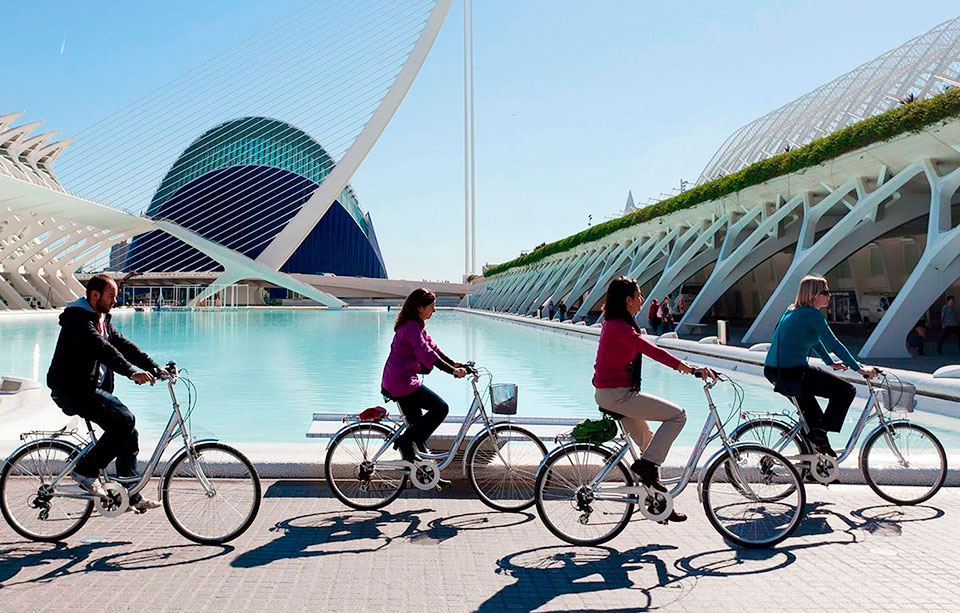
(637, 408)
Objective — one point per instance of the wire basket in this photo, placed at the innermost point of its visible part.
(897, 396)
(503, 398)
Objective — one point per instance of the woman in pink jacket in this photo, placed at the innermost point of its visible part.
(413, 353)
(620, 344)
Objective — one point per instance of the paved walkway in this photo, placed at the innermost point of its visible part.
(307, 553)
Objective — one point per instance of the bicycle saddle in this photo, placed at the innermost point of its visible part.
(616, 416)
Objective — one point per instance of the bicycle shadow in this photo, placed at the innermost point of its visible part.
(882, 520)
(303, 536)
(11, 565)
(444, 528)
(158, 557)
(545, 573)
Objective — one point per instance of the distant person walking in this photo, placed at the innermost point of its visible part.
(950, 323)
(562, 308)
(803, 329)
(551, 309)
(666, 319)
(654, 315)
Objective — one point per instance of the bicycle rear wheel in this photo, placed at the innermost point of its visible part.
(219, 510)
(501, 465)
(356, 480)
(568, 505)
(30, 506)
(755, 499)
(776, 435)
(924, 467)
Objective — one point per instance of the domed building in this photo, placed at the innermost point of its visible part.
(238, 185)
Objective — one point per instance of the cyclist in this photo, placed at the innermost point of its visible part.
(620, 344)
(412, 353)
(803, 329)
(81, 376)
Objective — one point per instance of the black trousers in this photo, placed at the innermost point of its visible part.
(119, 439)
(948, 331)
(421, 425)
(816, 382)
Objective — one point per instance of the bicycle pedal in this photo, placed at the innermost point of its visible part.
(663, 522)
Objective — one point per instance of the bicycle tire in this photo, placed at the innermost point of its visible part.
(550, 478)
(230, 470)
(8, 498)
(528, 458)
(755, 426)
(874, 479)
(392, 488)
(776, 467)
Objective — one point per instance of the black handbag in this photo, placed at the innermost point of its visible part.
(787, 385)
(634, 372)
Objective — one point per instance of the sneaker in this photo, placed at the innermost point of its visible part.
(91, 485)
(143, 505)
(649, 474)
(677, 516)
(423, 449)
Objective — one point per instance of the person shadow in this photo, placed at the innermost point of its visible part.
(318, 534)
(60, 557)
(546, 573)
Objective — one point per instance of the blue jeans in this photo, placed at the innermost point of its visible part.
(119, 439)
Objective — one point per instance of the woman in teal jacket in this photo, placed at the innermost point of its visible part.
(803, 329)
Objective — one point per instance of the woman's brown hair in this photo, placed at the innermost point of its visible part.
(811, 286)
(418, 298)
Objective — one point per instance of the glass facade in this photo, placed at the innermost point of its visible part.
(238, 185)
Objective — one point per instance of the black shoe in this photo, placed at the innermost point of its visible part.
(405, 448)
(821, 443)
(676, 516)
(423, 449)
(649, 474)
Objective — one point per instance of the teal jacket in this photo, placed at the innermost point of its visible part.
(800, 331)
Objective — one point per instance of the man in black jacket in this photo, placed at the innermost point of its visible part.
(89, 351)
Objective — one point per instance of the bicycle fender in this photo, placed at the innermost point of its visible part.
(34, 442)
(714, 457)
(351, 424)
(736, 431)
(890, 422)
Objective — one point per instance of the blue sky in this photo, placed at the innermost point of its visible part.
(577, 103)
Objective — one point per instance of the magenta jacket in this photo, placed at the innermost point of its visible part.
(413, 352)
(619, 345)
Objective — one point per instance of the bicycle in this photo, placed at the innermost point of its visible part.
(902, 462)
(210, 491)
(366, 472)
(752, 495)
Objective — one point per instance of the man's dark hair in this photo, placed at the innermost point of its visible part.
(949, 298)
(98, 283)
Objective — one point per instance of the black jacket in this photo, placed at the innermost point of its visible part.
(75, 369)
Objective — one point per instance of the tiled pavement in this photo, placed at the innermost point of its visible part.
(306, 552)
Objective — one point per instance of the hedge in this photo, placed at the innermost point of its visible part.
(911, 117)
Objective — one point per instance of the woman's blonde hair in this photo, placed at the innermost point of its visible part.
(811, 286)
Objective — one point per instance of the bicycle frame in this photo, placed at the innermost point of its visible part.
(169, 434)
(870, 408)
(476, 413)
(707, 435)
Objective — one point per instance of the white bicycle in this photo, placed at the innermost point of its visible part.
(210, 491)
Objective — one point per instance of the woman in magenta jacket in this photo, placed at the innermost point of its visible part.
(620, 344)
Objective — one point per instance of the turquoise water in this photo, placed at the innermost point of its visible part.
(261, 374)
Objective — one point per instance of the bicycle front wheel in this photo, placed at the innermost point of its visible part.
(30, 505)
(904, 463)
(754, 498)
(212, 496)
(571, 507)
(501, 467)
(355, 478)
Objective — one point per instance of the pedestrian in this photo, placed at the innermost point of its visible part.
(551, 309)
(917, 337)
(665, 318)
(950, 323)
(654, 316)
(562, 308)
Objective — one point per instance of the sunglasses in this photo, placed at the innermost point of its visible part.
(825, 292)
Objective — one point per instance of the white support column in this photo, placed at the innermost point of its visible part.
(543, 275)
(530, 281)
(736, 258)
(811, 251)
(588, 276)
(550, 285)
(544, 287)
(509, 291)
(502, 283)
(618, 265)
(570, 275)
(285, 243)
(686, 258)
(938, 268)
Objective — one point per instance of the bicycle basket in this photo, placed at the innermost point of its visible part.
(596, 431)
(898, 396)
(503, 398)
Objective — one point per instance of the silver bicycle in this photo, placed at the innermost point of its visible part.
(752, 495)
(904, 463)
(210, 491)
(365, 471)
